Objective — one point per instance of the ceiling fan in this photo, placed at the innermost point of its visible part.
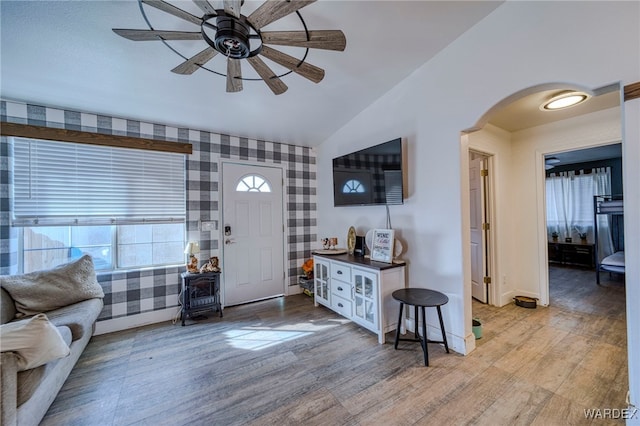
(229, 33)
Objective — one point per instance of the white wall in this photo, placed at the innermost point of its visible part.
(631, 160)
(521, 44)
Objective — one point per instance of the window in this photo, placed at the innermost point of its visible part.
(352, 185)
(569, 200)
(124, 207)
(253, 183)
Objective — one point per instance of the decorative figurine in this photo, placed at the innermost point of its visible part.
(333, 243)
(192, 249)
(192, 266)
(211, 265)
(325, 243)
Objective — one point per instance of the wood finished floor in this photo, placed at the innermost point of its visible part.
(283, 361)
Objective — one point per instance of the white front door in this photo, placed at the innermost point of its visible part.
(478, 242)
(253, 232)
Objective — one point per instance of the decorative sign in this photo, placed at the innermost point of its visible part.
(382, 245)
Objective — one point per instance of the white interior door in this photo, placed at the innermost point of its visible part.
(253, 232)
(478, 243)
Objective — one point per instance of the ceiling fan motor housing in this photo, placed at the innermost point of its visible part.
(232, 37)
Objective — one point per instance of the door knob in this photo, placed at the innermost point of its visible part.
(229, 241)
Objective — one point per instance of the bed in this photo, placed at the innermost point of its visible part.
(613, 207)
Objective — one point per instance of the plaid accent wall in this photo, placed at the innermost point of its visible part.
(135, 292)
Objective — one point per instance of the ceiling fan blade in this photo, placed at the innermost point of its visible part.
(272, 10)
(275, 84)
(234, 75)
(192, 64)
(232, 7)
(205, 6)
(148, 35)
(175, 11)
(321, 39)
(305, 69)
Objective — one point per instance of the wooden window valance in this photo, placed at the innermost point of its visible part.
(632, 91)
(78, 136)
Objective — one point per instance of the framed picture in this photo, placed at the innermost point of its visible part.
(382, 245)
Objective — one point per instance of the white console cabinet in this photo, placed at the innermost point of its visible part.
(359, 290)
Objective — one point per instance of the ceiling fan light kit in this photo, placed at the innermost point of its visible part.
(237, 37)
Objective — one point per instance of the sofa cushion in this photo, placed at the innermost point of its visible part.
(79, 317)
(7, 307)
(35, 340)
(44, 291)
(29, 380)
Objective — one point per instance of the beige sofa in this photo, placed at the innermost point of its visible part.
(27, 394)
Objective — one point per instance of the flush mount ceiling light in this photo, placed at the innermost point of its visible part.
(564, 100)
(237, 37)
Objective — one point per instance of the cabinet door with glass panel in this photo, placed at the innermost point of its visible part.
(365, 299)
(321, 279)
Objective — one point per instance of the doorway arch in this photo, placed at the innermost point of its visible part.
(520, 252)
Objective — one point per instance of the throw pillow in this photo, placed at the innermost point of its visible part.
(35, 340)
(44, 291)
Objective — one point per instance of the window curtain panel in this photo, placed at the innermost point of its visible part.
(570, 209)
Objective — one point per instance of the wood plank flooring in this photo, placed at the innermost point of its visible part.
(284, 362)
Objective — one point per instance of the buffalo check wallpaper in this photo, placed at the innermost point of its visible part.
(134, 292)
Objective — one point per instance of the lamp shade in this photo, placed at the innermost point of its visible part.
(192, 248)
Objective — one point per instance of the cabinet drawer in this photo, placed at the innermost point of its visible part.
(583, 250)
(340, 271)
(341, 289)
(341, 306)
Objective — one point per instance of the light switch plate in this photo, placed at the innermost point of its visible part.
(210, 225)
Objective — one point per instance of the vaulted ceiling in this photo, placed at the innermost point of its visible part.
(65, 54)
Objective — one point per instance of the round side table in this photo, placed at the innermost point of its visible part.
(421, 298)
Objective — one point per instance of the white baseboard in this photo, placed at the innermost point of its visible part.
(507, 298)
(293, 289)
(133, 321)
(470, 343)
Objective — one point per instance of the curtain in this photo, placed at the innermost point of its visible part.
(570, 209)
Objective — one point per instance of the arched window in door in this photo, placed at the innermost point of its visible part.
(351, 186)
(253, 183)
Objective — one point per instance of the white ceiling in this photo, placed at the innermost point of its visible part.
(64, 54)
(525, 113)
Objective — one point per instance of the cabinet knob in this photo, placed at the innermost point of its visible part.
(341, 305)
(339, 288)
(339, 272)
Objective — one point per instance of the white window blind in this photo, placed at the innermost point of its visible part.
(62, 183)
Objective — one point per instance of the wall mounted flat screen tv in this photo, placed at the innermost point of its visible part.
(371, 176)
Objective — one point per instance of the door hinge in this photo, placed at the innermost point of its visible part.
(486, 280)
(484, 172)
(486, 226)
